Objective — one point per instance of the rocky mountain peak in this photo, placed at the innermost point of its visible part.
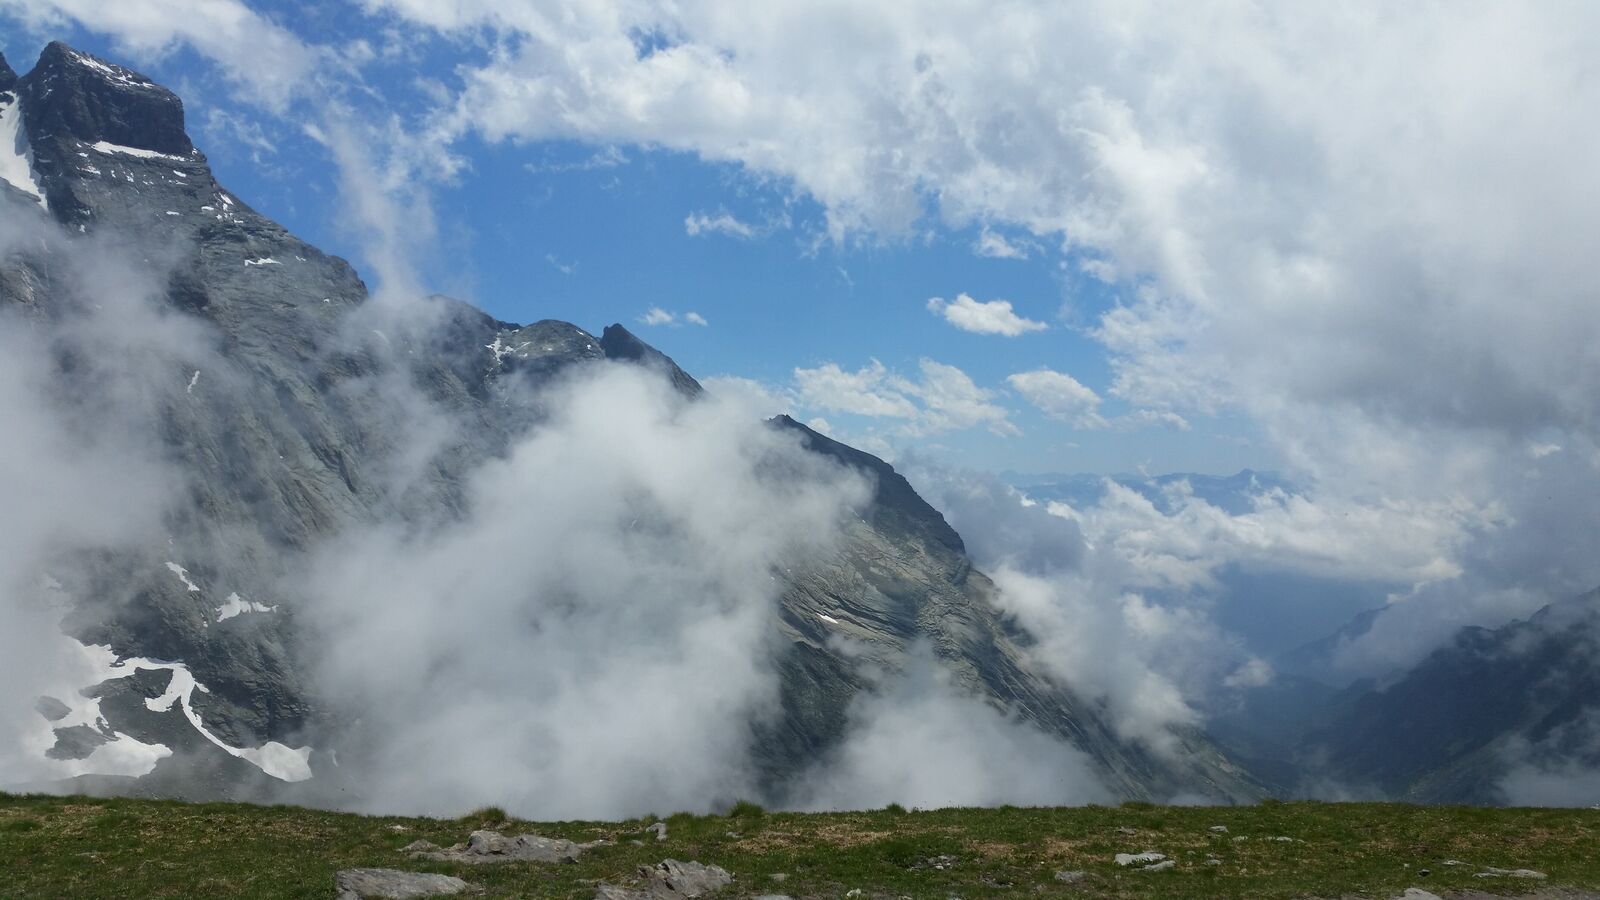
(72, 95)
(620, 343)
(8, 75)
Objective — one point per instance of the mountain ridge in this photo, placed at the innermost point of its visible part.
(284, 441)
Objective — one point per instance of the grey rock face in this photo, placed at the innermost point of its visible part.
(493, 847)
(393, 884)
(670, 880)
(76, 742)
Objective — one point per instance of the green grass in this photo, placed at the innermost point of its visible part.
(86, 848)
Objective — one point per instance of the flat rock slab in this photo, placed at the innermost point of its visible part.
(493, 847)
(393, 884)
(669, 880)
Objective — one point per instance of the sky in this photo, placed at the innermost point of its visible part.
(1352, 243)
(601, 231)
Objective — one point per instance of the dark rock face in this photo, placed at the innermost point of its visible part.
(620, 343)
(284, 441)
(76, 96)
(1442, 732)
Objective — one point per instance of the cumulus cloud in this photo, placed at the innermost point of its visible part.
(943, 399)
(1059, 396)
(995, 245)
(264, 57)
(1306, 248)
(983, 317)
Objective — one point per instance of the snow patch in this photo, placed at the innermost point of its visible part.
(124, 755)
(114, 74)
(501, 349)
(180, 571)
(263, 261)
(141, 153)
(236, 606)
(16, 156)
(193, 380)
(827, 618)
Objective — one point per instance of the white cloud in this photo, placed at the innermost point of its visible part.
(995, 245)
(943, 399)
(1160, 417)
(659, 536)
(983, 317)
(1347, 265)
(252, 49)
(920, 741)
(655, 315)
(1059, 396)
(724, 223)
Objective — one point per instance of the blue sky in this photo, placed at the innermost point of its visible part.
(597, 232)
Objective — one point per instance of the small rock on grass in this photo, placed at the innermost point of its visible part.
(1071, 876)
(1529, 874)
(1146, 858)
(393, 884)
(493, 847)
(1418, 894)
(1218, 829)
(1162, 866)
(669, 880)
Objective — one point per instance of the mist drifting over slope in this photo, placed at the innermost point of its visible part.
(1362, 231)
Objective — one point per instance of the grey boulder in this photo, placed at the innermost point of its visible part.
(493, 847)
(670, 880)
(393, 884)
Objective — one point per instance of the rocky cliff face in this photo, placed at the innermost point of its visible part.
(284, 442)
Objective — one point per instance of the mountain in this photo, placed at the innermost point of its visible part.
(1451, 729)
(284, 443)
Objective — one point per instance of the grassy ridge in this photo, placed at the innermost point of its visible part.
(114, 848)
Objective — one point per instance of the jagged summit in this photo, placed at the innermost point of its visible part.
(8, 75)
(620, 343)
(75, 95)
